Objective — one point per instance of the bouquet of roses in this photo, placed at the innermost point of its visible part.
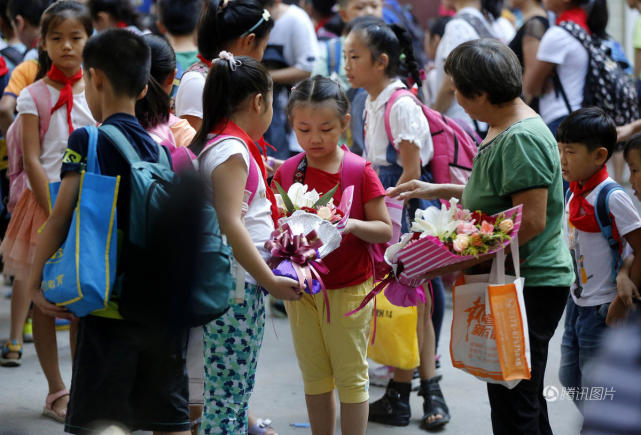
(310, 228)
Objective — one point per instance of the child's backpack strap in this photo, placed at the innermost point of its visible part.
(400, 92)
(333, 55)
(288, 170)
(42, 98)
(251, 184)
(352, 172)
(602, 213)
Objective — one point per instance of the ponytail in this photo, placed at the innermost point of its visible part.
(408, 65)
(222, 22)
(597, 17)
(225, 89)
(394, 41)
(154, 108)
(493, 8)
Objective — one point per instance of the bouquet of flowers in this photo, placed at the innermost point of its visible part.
(310, 228)
(440, 238)
(447, 236)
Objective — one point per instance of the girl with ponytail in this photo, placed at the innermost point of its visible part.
(153, 111)
(237, 99)
(240, 27)
(376, 56)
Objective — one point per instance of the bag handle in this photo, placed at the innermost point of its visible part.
(92, 149)
(497, 274)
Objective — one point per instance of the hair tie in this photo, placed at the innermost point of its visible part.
(233, 62)
(402, 57)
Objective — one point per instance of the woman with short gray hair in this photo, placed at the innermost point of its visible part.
(517, 163)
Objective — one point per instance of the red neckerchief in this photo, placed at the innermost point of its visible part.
(578, 16)
(121, 25)
(205, 61)
(321, 24)
(232, 129)
(581, 211)
(66, 93)
(3, 67)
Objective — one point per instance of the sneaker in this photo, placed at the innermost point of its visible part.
(62, 324)
(394, 407)
(27, 331)
(380, 376)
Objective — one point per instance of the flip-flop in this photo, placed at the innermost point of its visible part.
(48, 411)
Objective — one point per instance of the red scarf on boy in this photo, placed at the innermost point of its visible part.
(66, 93)
(204, 60)
(582, 214)
(231, 129)
(578, 16)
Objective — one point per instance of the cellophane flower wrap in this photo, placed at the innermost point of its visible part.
(448, 236)
(310, 228)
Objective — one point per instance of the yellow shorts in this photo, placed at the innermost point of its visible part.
(333, 355)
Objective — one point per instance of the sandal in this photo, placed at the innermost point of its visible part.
(433, 405)
(11, 347)
(48, 410)
(261, 427)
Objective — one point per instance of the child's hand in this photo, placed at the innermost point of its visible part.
(284, 288)
(48, 308)
(626, 290)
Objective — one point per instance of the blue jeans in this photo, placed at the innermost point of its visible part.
(584, 328)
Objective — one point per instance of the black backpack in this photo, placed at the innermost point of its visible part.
(606, 85)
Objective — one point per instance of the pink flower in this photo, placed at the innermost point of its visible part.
(487, 228)
(475, 240)
(461, 215)
(461, 243)
(466, 228)
(506, 225)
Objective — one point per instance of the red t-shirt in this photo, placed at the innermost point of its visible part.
(350, 264)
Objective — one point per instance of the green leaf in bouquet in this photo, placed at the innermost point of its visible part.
(286, 200)
(325, 198)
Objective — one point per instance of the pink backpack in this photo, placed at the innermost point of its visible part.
(352, 171)
(17, 176)
(251, 185)
(181, 157)
(454, 148)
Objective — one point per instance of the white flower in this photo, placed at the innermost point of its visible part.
(311, 198)
(296, 193)
(437, 222)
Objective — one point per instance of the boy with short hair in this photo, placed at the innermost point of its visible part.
(124, 371)
(177, 21)
(587, 138)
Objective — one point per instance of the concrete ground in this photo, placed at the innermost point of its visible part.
(279, 391)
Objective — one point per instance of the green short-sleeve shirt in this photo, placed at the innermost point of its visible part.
(523, 157)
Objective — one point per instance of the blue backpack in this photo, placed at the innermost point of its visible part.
(602, 213)
(177, 266)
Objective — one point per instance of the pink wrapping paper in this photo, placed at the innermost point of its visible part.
(429, 253)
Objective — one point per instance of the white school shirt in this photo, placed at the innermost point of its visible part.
(559, 47)
(407, 122)
(293, 34)
(189, 97)
(54, 142)
(591, 252)
(457, 31)
(258, 219)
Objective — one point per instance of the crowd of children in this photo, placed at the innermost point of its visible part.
(219, 80)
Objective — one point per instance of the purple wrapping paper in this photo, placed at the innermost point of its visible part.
(286, 269)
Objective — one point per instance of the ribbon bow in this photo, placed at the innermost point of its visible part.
(301, 251)
(231, 60)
